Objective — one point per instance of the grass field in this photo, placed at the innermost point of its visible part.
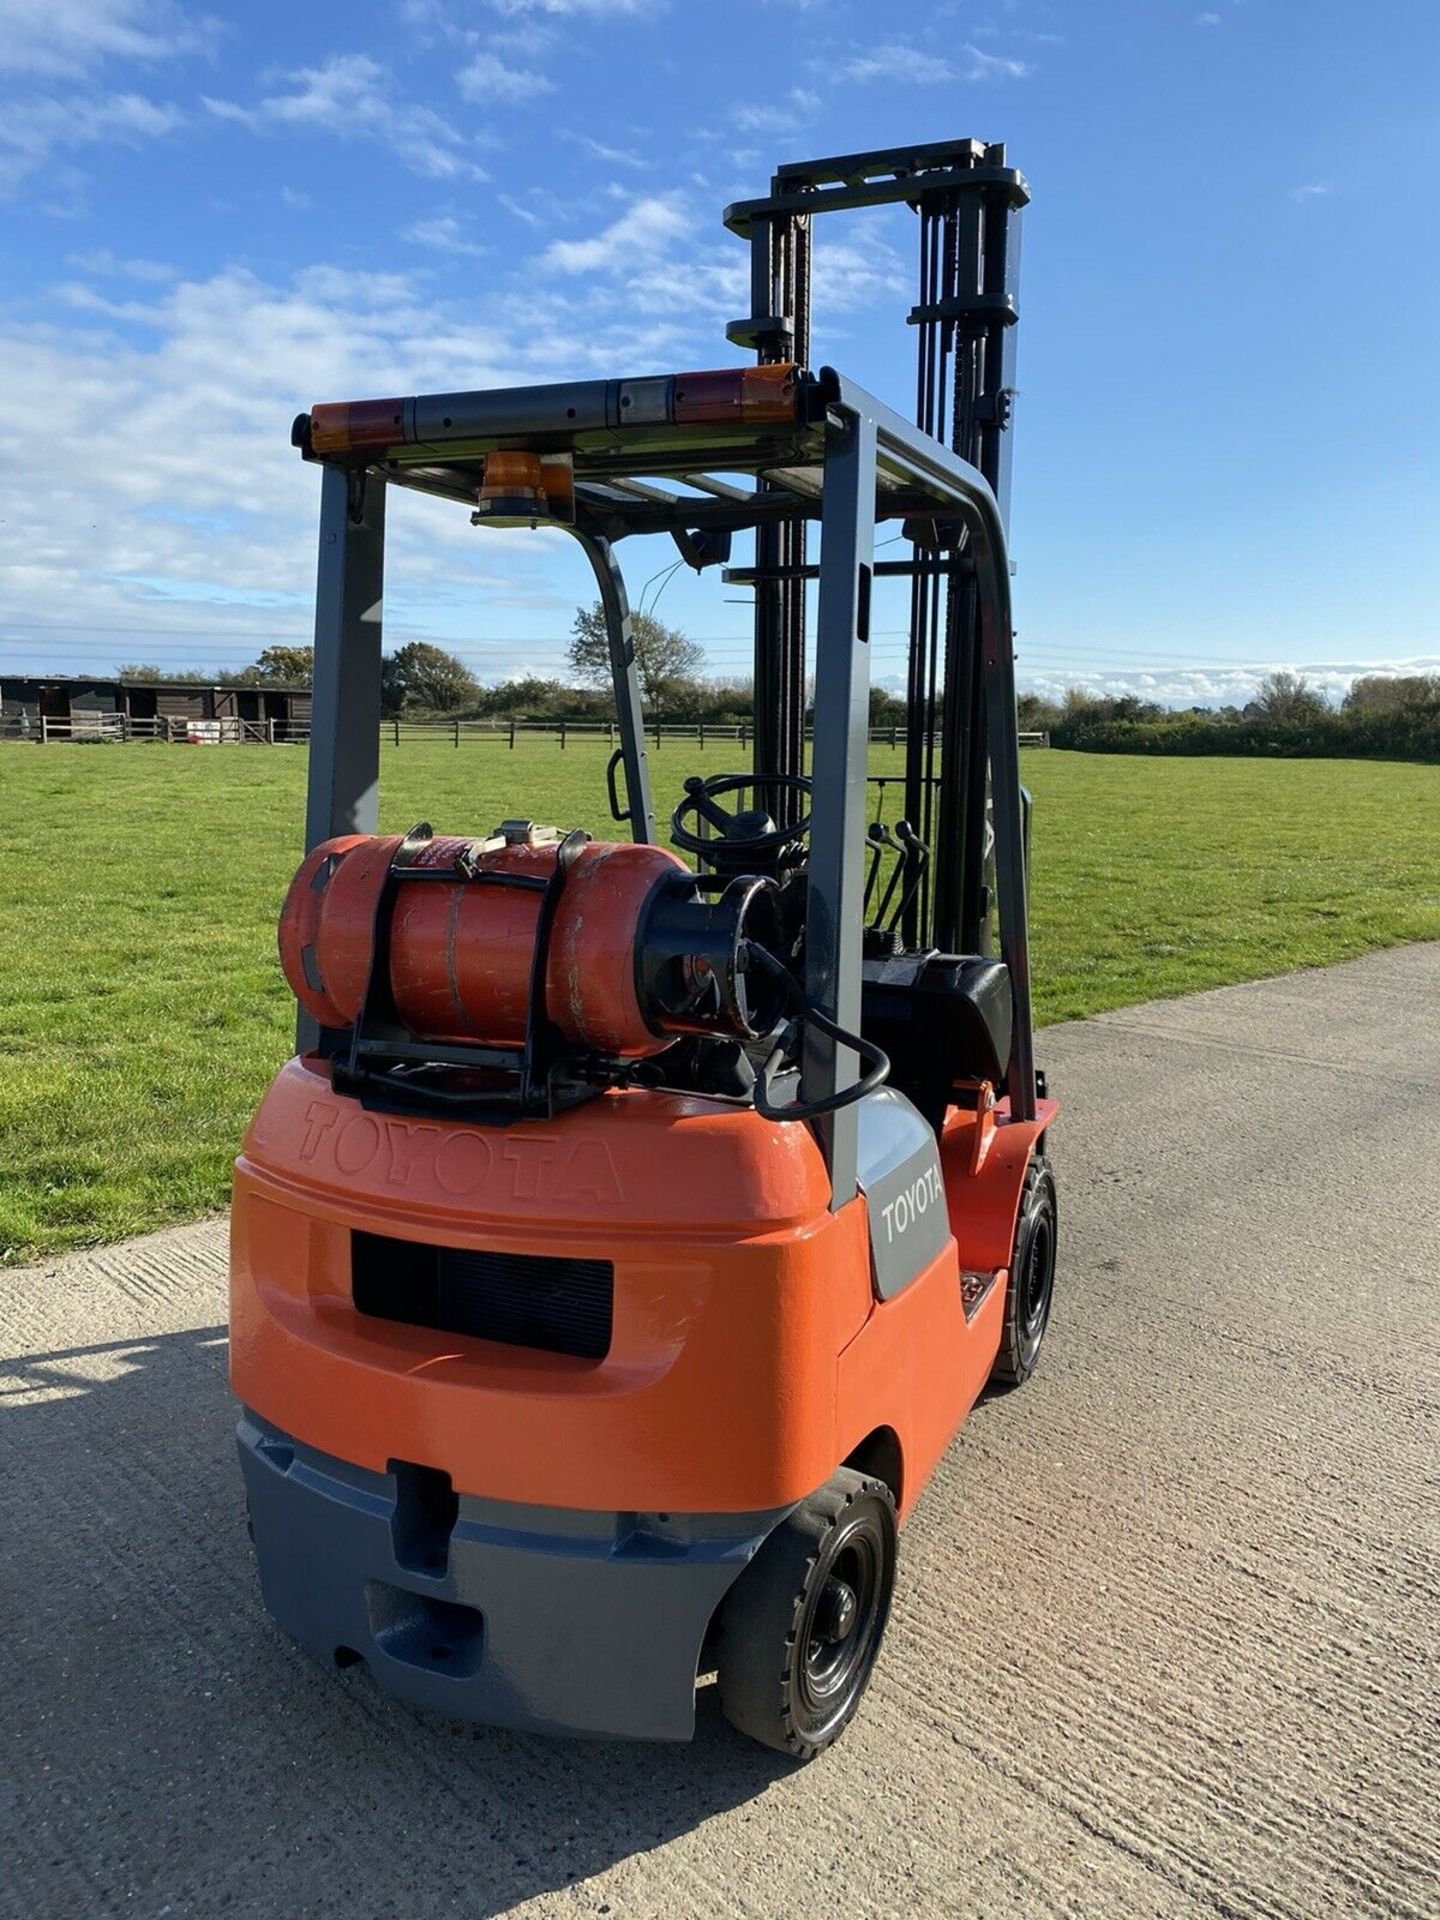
(142, 1008)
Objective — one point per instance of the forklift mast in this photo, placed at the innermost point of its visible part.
(816, 447)
(616, 1259)
(968, 204)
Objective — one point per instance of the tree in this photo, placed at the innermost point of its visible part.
(421, 675)
(141, 670)
(1286, 699)
(1036, 714)
(293, 665)
(887, 709)
(664, 655)
(392, 687)
(1393, 693)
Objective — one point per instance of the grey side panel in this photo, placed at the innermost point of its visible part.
(528, 1617)
(899, 1174)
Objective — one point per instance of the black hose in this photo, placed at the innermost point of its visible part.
(807, 1013)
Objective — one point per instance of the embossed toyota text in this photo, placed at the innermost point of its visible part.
(537, 1167)
(905, 1209)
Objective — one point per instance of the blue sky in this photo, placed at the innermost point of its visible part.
(1226, 437)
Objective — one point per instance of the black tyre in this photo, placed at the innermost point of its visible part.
(802, 1625)
(1032, 1280)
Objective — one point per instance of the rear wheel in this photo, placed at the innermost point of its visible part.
(803, 1624)
(1032, 1279)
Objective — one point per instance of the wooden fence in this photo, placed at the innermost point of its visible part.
(180, 731)
(173, 730)
(657, 732)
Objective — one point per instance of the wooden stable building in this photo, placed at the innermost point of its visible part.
(82, 706)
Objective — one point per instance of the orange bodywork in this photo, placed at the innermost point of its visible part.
(749, 1355)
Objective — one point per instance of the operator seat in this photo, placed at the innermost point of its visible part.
(941, 1017)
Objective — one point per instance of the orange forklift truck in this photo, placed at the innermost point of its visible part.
(627, 1239)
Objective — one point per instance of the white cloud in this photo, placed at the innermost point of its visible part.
(862, 270)
(444, 234)
(798, 106)
(1316, 190)
(645, 229)
(32, 130)
(594, 9)
(897, 61)
(100, 260)
(1207, 19)
(146, 476)
(992, 66)
(892, 61)
(1219, 684)
(68, 38)
(520, 210)
(635, 265)
(351, 95)
(529, 37)
(613, 156)
(487, 78)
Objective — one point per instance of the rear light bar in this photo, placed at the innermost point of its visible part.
(357, 423)
(729, 396)
(747, 394)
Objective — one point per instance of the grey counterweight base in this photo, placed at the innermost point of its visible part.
(529, 1617)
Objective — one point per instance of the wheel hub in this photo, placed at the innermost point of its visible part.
(835, 1616)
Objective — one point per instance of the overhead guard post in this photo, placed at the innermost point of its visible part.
(842, 736)
(903, 449)
(343, 794)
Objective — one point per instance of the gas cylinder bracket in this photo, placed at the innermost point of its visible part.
(544, 1044)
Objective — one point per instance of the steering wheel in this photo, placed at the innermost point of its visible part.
(749, 830)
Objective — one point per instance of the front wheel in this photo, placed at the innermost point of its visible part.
(1032, 1279)
(802, 1626)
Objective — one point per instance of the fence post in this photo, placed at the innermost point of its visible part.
(742, 736)
(512, 736)
(702, 736)
(562, 736)
(397, 729)
(657, 736)
(457, 733)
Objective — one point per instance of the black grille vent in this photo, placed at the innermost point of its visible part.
(521, 1299)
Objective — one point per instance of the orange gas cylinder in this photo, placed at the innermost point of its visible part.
(461, 952)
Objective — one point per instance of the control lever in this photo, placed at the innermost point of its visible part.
(878, 837)
(903, 841)
(913, 863)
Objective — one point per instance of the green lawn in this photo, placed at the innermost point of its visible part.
(142, 1008)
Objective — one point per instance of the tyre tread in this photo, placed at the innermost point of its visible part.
(1009, 1369)
(754, 1697)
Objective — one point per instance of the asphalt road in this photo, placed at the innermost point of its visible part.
(1165, 1642)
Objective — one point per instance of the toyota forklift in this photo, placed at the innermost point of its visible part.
(630, 1234)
